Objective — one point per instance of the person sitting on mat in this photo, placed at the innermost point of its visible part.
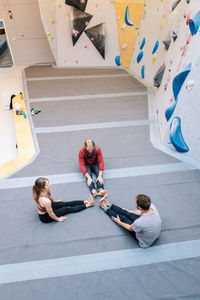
(48, 209)
(144, 223)
(91, 161)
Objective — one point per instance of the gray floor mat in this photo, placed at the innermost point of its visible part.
(62, 113)
(85, 86)
(49, 71)
(121, 147)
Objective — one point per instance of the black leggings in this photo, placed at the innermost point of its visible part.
(62, 208)
(124, 215)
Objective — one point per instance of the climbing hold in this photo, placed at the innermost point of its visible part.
(176, 136)
(123, 27)
(179, 80)
(127, 18)
(169, 111)
(140, 56)
(155, 47)
(163, 21)
(187, 1)
(175, 32)
(117, 60)
(124, 46)
(143, 72)
(176, 87)
(188, 39)
(159, 76)
(188, 18)
(53, 21)
(167, 41)
(59, 5)
(154, 58)
(183, 50)
(143, 43)
(190, 85)
(174, 4)
(194, 23)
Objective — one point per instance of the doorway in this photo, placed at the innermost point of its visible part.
(5, 55)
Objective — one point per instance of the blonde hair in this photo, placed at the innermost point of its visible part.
(38, 187)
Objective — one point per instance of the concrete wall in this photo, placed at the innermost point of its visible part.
(25, 33)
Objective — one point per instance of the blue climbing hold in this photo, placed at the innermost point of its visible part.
(169, 111)
(179, 80)
(143, 43)
(117, 60)
(140, 56)
(127, 18)
(194, 23)
(176, 87)
(176, 136)
(142, 71)
(155, 47)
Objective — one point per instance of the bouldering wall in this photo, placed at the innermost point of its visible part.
(81, 37)
(166, 57)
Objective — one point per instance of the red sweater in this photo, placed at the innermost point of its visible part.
(86, 158)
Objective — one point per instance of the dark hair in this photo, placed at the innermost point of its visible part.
(38, 187)
(11, 104)
(143, 201)
(86, 143)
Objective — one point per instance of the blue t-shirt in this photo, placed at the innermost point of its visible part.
(148, 227)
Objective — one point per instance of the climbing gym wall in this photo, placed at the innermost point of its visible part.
(166, 56)
(81, 33)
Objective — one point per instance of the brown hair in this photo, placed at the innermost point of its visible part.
(86, 143)
(143, 201)
(38, 187)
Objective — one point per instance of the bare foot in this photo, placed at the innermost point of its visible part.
(104, 199)
(102, 204)
(102, 192)
(94, 193)
(90, 201)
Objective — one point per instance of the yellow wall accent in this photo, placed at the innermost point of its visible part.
(128, 36)
(24, 140)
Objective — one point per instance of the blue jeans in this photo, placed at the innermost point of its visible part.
(124, 215)
(94, 169)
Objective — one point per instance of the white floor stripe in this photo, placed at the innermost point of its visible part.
(91, 126)
(112, 260)
(76, 77)
(85, 97)
(108, 174)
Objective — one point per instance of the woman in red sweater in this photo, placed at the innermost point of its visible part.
(91, 162)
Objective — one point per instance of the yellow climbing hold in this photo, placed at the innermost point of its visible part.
(53, 21)
(163, 21)
(154, 58)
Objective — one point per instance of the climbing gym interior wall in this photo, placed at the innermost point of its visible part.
(66, 25)
(166, 56)
(25, 33)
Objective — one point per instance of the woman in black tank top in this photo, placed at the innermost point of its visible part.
(50, 210)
